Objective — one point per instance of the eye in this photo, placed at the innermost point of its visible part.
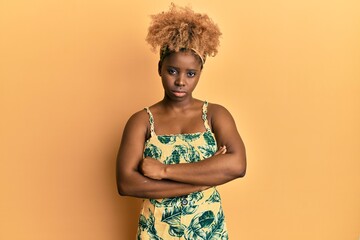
(172, 71)
(191, 74)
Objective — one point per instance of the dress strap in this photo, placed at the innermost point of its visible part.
(151, 121)
(204, 116)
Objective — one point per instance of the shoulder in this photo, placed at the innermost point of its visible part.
(217, 110)
(140, 116)
(218, 115)
(138, 122)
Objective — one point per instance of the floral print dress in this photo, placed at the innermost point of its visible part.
(196, 216)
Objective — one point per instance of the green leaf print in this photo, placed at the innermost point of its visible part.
(209, 138)
(178, 230)
(171, 215)
(172, 159)
(207, 151)
(165, 202)
(190, 137)
(151, 227)
(217, 235)
(167, 139)
(189, 209)
(215, 197)
(198, 226)
(138, 235)
(195, 196)
(193, 155)
(217, 230)
(152, 151)
(142, 222)
(178, 152)
(203, 219)
(220, 216)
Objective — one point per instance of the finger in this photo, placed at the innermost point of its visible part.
(218, 151)
(221, 150)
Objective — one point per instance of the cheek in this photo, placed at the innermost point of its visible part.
(166, 81)
(194, 83)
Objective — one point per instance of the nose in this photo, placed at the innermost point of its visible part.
(180, 81)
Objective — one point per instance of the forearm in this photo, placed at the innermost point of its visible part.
(213, 171)
(136, 185)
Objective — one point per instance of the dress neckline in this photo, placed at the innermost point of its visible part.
(204, 117)
(181, 134)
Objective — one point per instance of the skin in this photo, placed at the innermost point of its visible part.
(178, 112)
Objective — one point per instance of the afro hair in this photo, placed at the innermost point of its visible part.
(182, 28)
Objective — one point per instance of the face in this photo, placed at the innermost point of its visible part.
(180, 73)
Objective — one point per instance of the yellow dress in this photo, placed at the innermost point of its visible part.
(196, 216)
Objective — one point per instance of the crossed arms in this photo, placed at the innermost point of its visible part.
(149, 178)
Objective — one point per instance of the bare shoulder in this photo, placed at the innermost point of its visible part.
(138, 122)
(217, 112)
(220, 119)
(139, 117)
(224, 127)
(216, 108)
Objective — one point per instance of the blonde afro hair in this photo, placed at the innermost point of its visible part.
(182, 28)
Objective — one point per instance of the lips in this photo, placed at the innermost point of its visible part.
(178, 93)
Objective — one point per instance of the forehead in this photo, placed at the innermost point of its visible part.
(182, 59)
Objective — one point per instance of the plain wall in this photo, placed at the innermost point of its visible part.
(72, 72)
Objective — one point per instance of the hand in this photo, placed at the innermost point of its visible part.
(152, 168)
(221, 150)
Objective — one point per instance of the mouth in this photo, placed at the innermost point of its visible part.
(178, 93)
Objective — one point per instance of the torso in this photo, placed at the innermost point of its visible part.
(181, 141)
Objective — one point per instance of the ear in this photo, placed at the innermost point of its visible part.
(159, 67)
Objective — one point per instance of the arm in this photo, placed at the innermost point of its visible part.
(130, 181)
(215, 170)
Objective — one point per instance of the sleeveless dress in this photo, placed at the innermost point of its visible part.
(196, 216)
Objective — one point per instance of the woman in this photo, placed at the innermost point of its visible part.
(169, 153)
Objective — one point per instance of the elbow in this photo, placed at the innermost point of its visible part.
(238, 170)
(242, 172)
(242, 169)
(122, 191)
(125, 190)
(128, 185)
(242, 166)
(123, 187)
(123, 183)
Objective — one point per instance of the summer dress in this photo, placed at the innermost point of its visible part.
(196, 216)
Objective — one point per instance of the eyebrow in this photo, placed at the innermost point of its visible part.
(189, 69)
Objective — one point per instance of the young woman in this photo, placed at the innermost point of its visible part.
(176, 151)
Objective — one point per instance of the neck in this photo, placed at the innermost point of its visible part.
(178, 105)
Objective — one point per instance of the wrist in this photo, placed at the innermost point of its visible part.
(165, 171)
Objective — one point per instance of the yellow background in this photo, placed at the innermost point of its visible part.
(72, 72)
